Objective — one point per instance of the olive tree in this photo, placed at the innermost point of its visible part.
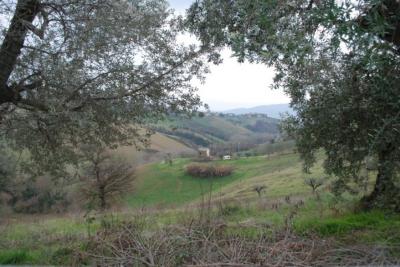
(90, 72)
(339, 63)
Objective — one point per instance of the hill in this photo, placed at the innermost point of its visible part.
(218, 128)
(160, 145)
(273, 111)
(222, 133)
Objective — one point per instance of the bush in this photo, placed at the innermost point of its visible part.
(38, 195)
(207, 171)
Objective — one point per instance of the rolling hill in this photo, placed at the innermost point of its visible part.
(182, 136)
(218, 128)
(160, 146)
(273, 111)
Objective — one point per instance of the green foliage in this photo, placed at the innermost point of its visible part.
(8, 168)
(88, 81)
(339, 63)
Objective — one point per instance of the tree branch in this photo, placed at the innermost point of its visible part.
(191, 56)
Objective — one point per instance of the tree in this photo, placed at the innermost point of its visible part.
(339, 63)
(314, 183)
(259, 189)
(105, 179)
(90, 72)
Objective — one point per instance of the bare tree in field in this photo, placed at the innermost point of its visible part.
(106, 179)
(259, 189)
(89, 71)
(314, 183)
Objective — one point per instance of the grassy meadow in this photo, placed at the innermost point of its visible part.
(167, 196)
(165, 185)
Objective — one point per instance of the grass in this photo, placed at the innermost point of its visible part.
(164, 185)
(39, 240)
(18, 256)
(51, 240)
(367, 227)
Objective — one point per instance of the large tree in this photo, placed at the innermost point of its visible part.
(339, 61)
(89, 72)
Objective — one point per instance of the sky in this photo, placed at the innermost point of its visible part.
(234, 85)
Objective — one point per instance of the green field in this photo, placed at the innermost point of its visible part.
(161, 184)
(165, 193)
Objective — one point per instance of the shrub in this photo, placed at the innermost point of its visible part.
(38, 195)
(207, 171)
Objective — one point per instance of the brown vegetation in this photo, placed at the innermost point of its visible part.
(207, 171)
(105, 179)
(207, 243)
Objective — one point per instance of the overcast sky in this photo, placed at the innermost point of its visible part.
(232, 84)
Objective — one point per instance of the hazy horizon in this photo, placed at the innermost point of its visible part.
(232, 84)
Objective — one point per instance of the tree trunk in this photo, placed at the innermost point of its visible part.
(102, 196)
(25, 13)
(385, 194)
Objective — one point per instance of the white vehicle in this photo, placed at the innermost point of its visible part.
(227, 157)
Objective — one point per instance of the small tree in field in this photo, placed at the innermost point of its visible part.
(105, 179)
(259, 189)
(314, 183)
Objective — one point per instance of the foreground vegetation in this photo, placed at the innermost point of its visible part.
(192, 226)
(78, 78)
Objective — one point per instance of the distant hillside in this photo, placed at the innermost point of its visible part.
(160, 146)
(273, 111)
(222, 133)
(219, 128)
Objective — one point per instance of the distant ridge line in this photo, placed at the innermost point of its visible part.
(273, 111)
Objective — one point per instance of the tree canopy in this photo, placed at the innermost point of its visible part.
(339, 63)
(89, 72)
